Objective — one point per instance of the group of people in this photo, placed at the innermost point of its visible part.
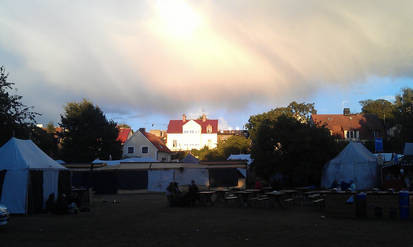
(178, 198)
(344, 186)
(63, 204)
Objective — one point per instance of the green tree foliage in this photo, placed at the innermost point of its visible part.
(88, 134)
(292, 147)
(234, 145)
(300, 111)
(404, 114)
(15, 118)
(123, 125)
(47, 141)
(381, 108)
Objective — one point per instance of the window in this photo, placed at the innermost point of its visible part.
(352, 134)
(209, 129)
(174, 143)
(145, 150)
(131, 150)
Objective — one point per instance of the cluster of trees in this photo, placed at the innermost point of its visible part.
(396, 117)
(287, 144)
(86, 135)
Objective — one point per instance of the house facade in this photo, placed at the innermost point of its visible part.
(146, 145)
(188, 134)
(352, 127)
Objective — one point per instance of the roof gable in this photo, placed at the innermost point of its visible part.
(175, 126)
(157, 142)
(123, 134)
(340, 122)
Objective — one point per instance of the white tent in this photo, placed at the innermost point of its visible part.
(158, 180)
(128, 160)
(246, 157)
(355, 162)
(186, 175)
(18, 157)
(408, 148)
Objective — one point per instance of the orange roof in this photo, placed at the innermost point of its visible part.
(339, 122)
(157, 142)
(123, 134)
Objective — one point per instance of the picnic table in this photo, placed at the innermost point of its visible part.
(277, 196)
(243, 196)
(221, 194)
(205, 197)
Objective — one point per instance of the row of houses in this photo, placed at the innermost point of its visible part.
(187, 134)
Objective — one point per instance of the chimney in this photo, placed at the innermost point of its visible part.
(143, 130)
(203, 117)
(183, 118)
(346, 111)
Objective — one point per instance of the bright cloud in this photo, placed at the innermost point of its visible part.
(175, 56)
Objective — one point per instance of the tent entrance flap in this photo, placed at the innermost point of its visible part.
(35, 192)
(2, 174)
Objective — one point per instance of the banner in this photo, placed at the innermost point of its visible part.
(378, 144)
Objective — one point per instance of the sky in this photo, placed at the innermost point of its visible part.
(146, 62)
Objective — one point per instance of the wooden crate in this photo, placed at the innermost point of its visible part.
(336, 205)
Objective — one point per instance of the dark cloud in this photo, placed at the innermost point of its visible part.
(157, 57)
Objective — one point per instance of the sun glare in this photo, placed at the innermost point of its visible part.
(177, 17)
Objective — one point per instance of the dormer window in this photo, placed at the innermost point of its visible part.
(209, 129)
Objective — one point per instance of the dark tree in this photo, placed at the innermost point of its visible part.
(234, 145)
(292, 147)
(404, 114)
(15, 117)
(300, 111)
(87, 134)
(45, 141)
(381, 108)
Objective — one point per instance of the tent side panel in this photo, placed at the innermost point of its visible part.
(223, 177)
(158, 180)
(2, 175)
(50, 184)
(185, 176)
(64, 182)
(35, 191)
(15, 191)
(132, 179)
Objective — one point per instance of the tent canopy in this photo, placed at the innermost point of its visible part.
(19, 154)
(408, 148)
(355, 163)
(128, 160)
(190, 159)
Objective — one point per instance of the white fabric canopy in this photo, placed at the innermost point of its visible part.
(158, 180)
(14, 193)
(355, 163)
(186, 175)
(19, 154)
(50, 184)
(18, 157)
(246, 157)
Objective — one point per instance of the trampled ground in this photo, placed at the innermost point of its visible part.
(145, 220)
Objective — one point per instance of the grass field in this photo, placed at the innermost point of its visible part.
(145, 220)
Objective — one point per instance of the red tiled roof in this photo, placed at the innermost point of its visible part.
(337, 123)
(157, 142)
(123, 134)
(175, 126)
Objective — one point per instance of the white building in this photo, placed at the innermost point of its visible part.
(146, 145)
(192, 134)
